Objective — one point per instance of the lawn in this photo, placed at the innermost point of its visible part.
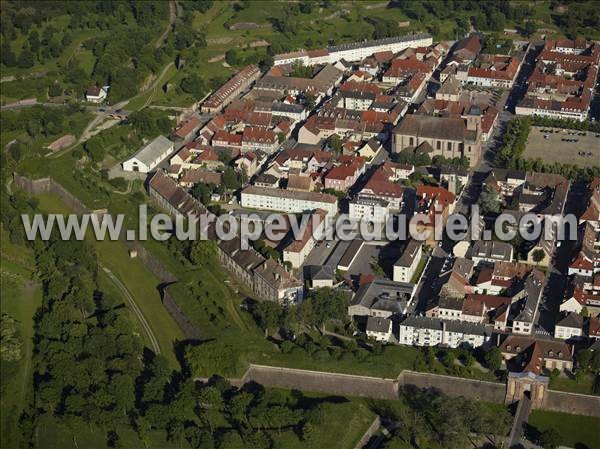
(20, 297)
(584, 386)
(575, 430)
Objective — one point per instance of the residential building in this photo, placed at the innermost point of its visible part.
(379, 329)
(147, 158)
(320, 276)
(570, 327)
(368, 209)
(406, 265)
(259, 139)
(490, 251)
(96, 94)
(437, 204)
(381, 298)
(287, 201)
(424, 331)
(537, 356)
(356, 51)
(187, 130)
(298, 249)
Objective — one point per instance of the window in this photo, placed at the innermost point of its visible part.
(438, 145)
(449, 147)
(411, 141)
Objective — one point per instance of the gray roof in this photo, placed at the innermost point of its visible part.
(384, 41)
(573, 320)
(533, 289)
(409, 253)
(384, 295)
(152, 150)
(280, 106)
(422, 322)
(378, 324)
(493, 249)
(319, 272)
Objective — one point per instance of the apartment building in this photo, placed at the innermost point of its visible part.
(424, 331)
(406, 265)
(254, 197)
(356, 51)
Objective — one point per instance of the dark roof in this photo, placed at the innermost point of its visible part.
(447, 128)
(378, 324)
(573, 320)
(384, 295)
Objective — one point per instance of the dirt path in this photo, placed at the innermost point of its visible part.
(172, 18)
(134, 307)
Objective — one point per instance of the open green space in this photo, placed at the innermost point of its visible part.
(582, 385)
(575, 430)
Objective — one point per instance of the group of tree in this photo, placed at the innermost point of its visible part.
(514, 142)
(40, 121)
(150, 123)
(416, 158)
(432, 419)
(320, 306)
(123, 54)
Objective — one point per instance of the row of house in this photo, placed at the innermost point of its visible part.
(563, 81)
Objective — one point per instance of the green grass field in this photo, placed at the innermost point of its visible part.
(574, 430)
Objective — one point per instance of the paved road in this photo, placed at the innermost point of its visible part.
(136, 310)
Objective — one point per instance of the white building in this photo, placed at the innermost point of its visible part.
(356, 51)
(369, 209)
(379, 328)
(148, 157)
(96, 94)
(407, 264)
(570, 327)
(424, 331)
(291, 201)
(297, 251)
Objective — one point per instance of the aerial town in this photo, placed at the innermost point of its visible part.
(374, 129)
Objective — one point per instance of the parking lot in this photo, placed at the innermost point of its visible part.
(565, 146)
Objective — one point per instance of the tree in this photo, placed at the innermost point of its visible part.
(203, 252)
(7, 56)
(488, 201)
(550, 439)
(10, 342)
(584, 357)
(232, 56)
(194, 85)
(25, 60)
(493, 358)
(530, 28)
(335, 143)
(538, 255)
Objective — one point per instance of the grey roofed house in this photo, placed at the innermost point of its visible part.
(381, 297)
(492, 250)
(379, 324)
(464, 327)
(572, 320)
(445, 128)
(280, 106)
(533, 288)
(148, 153)
(409, 253)
(319, 272)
